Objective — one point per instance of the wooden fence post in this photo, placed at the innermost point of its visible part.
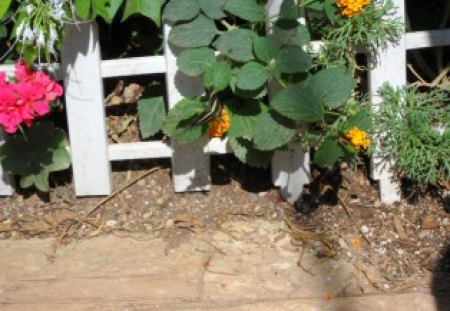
(6, 181)
(85, 109)
(390, 67)
(190, 164)
(290, 168)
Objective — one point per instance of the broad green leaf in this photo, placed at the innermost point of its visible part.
(298, 103)
(361, 120)
(107, 9)
(329, 152)
(237, 45)
(244, 118)
(3, 31)
(4, 7)
(252, 76)
(193, 62)
(333, 85)
(273, 131)
(148, 8)
(151, 113)
(289, 10)
(249, 10)
(197, 33)
(264, 49)
(217, 76)
(293, 60)
(213, 8)
(178, 123)
(33, 158)
(246, 153)
(180, 10)
(83, 8)
(287, 32)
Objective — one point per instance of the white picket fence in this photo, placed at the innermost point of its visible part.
(83, 70)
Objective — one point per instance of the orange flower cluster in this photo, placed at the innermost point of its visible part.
(358, 138)
(350, 8)
(220, 125)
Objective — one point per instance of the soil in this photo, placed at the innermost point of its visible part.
(397, 247)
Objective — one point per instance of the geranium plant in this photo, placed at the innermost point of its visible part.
(317, 105)
(33, 148)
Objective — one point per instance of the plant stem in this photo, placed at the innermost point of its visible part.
(227, 26)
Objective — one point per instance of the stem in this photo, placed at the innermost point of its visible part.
(227, 26)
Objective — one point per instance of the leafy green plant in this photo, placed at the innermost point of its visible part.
(225, 43)
(419, 132)
(33, 155)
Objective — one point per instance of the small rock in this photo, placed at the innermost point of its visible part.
(112, 223)
(429, 222)
(253, 197)
(364, 229)
(263, 194)
(147, 215)
(141, 183)
(160, 201)
(342, 243)
(169, 223)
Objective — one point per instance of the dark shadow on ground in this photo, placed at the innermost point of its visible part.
(441, 282)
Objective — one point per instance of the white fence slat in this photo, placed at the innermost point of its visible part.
(6, 181)
(290, 168)
(426, 39)
(391, 67)
(139, 150)
(85, 110)
(190, 164)
(133, 66)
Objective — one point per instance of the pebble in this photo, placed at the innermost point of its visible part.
(147, 215)
(112, 223)
(160, 201)
(429, 222)
(253, 197)
(342, 243)
(169, 223)
(364, 229)
(128, 196)
(141, 183)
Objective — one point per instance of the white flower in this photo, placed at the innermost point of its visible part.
(29, 8)
(19, 29)
(40, 39)
(28, 34)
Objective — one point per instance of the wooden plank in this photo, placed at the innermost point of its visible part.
(426, 39)
(390, 67)
(6, 181)
(190, 164)
(290, 168)
(218, 146)
(139, 150)
(85, 110)
(133, 66)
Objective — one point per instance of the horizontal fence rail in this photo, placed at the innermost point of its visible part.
(82, 71)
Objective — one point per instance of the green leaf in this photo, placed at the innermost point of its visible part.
(33, 158)
(237, 45)
(107, 9)
(213, 8)
(246, 153)
(83, 8)
(245, 117)
(333, 85)
(264, 49)
(148, 8)
(252, 76)
(3, 31)
(289, 10)
(178, 123)
(249, 10)
(193, 62)
(273, 131)
(152, 113)
(197, 33)
(329, 152)
(298, 103)
(293, 60)
(362, 120)
(4, 7)
(218, 76)
(180, 10)
(287, 32)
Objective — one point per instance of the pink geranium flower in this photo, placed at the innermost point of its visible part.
(26, 99)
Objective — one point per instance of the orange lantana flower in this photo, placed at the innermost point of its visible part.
(220, 125)
(358, 138)
(350, 8)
